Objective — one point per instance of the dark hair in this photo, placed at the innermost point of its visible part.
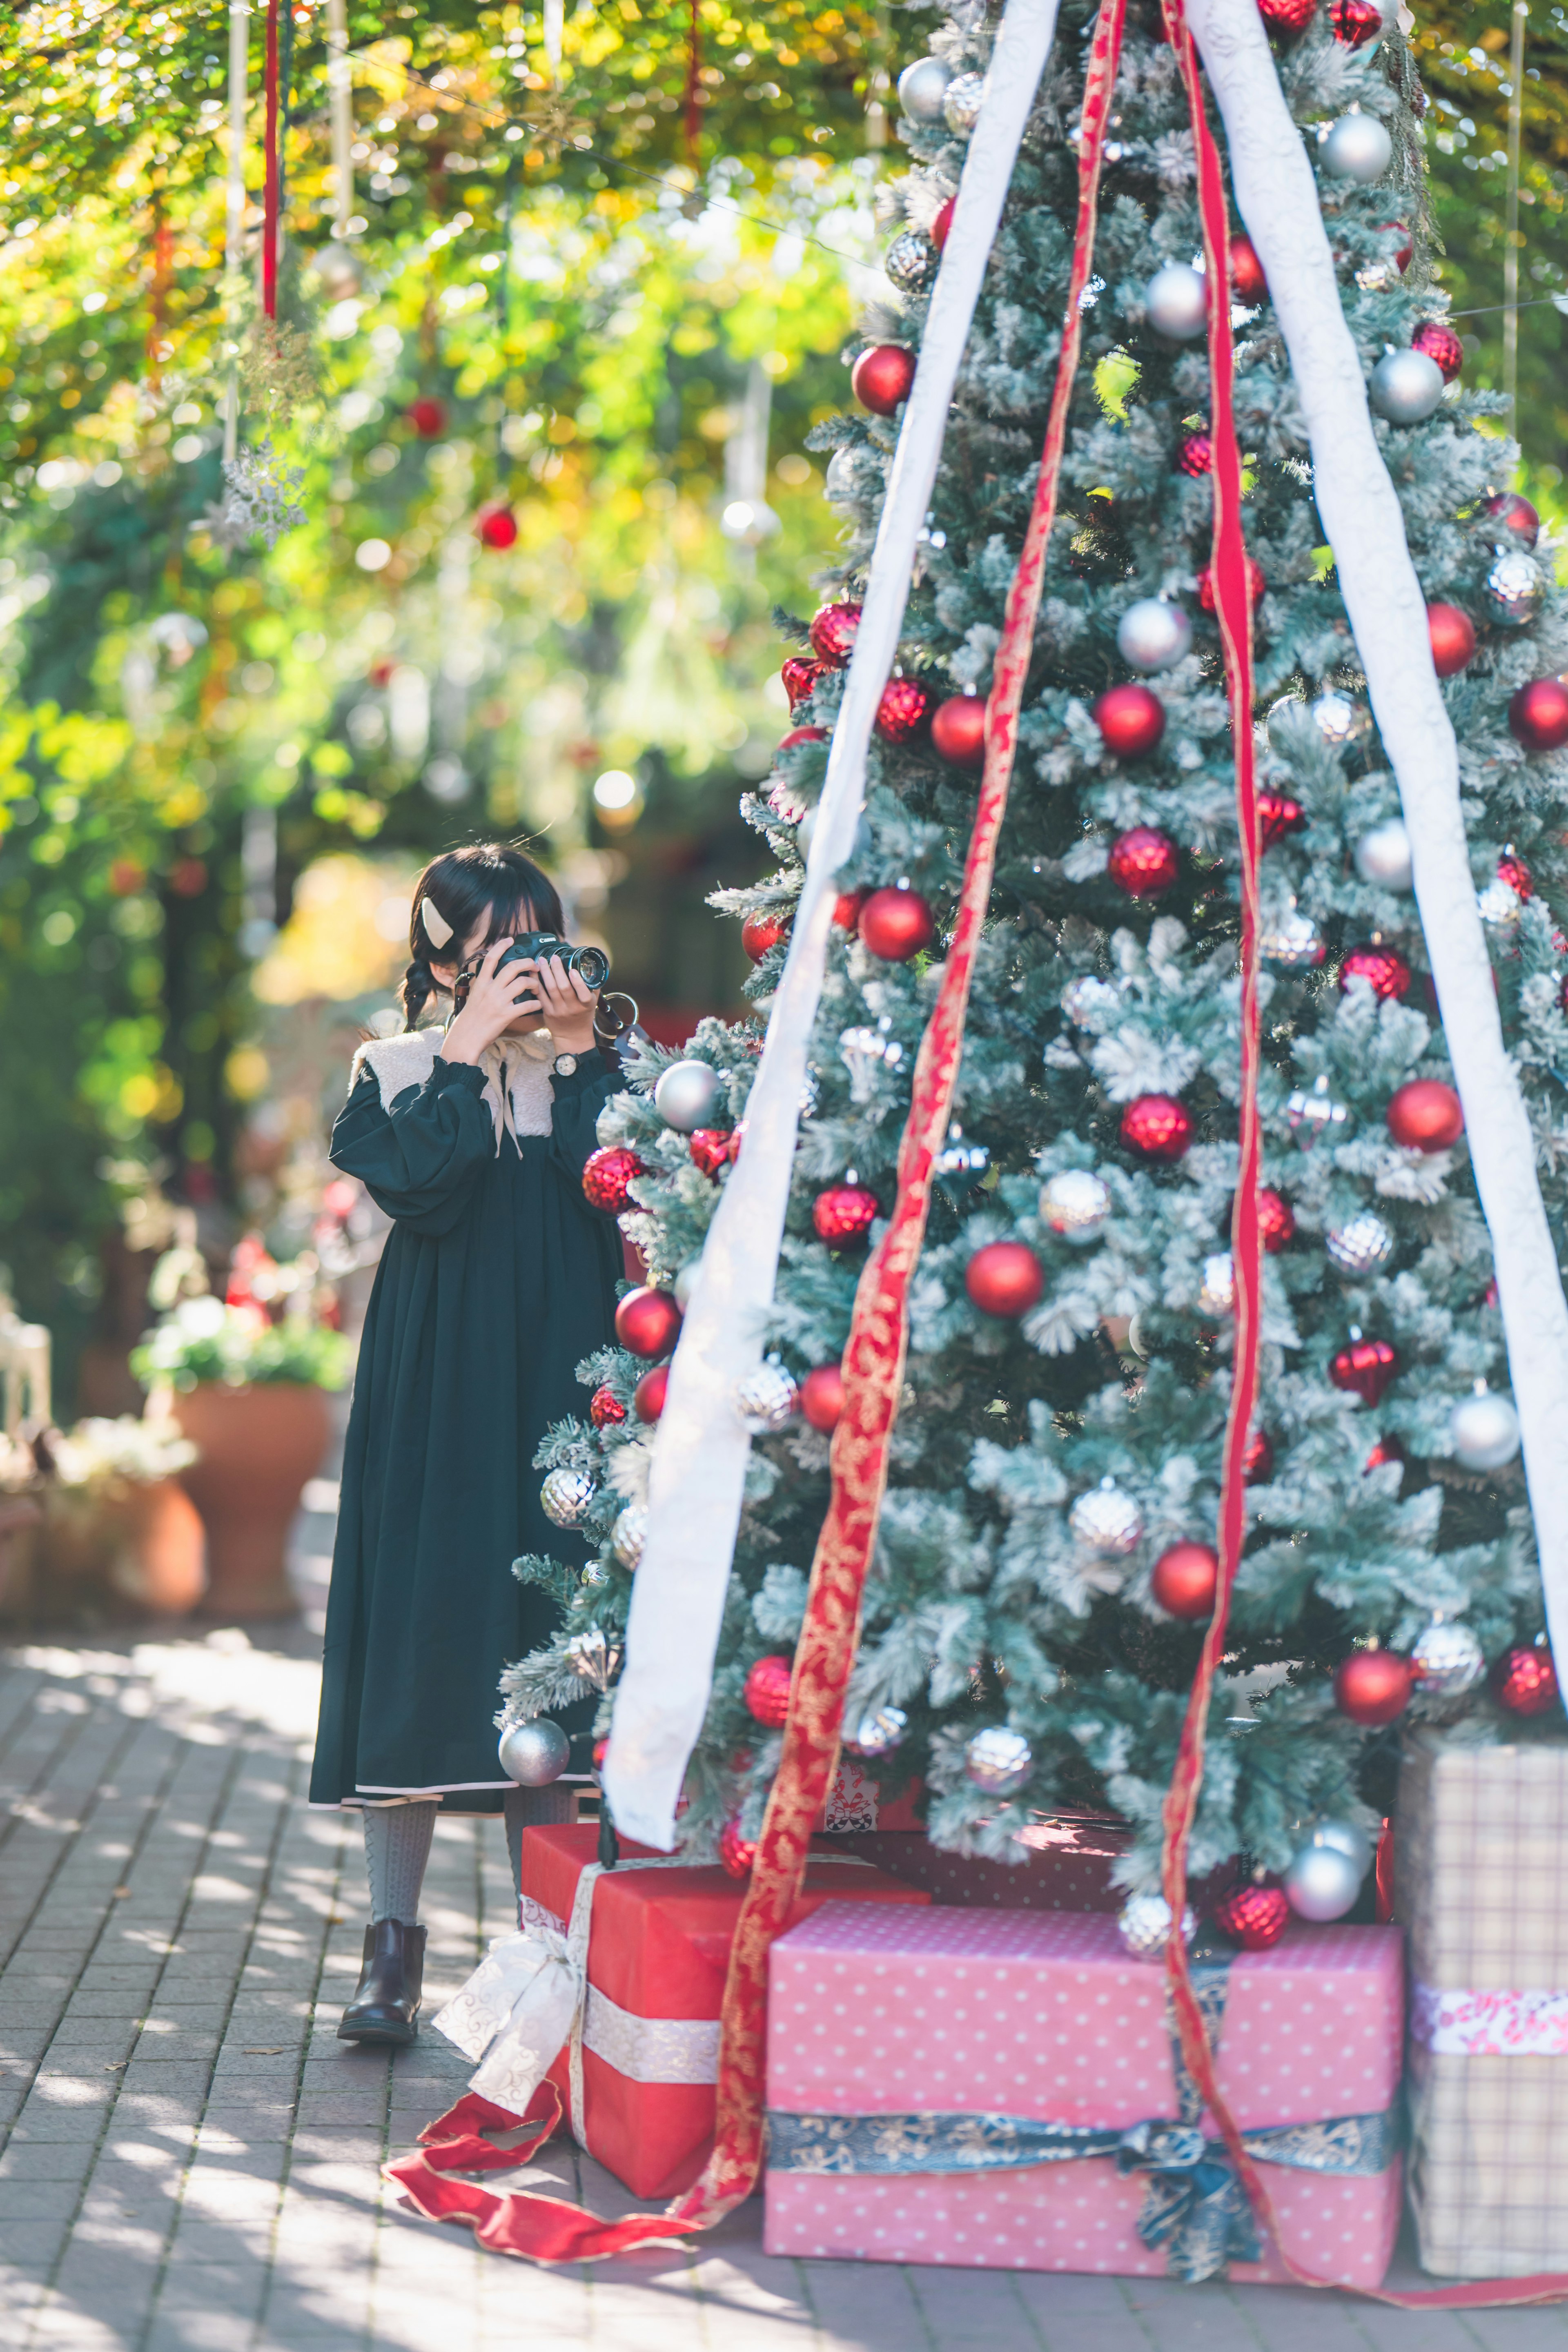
(489, 883)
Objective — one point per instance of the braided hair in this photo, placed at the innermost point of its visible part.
(490, 884)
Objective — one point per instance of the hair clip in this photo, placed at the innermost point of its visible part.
(438, 928)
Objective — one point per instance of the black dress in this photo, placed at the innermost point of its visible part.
(496, 1279)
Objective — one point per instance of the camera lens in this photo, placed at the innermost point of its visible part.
(593, 965)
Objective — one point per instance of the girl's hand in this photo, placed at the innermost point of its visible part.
(567, 1002)
(495, 1001)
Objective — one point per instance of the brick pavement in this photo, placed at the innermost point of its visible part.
(189, 2161)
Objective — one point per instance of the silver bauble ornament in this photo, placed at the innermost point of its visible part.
(1313, 1111)
(1089, 1000)
(534, 1753)
(1174, 300)
(1292, 943)
(687, 1093)
(1321, 1883)
(1152, 633)
(1383, 855)
(1075, 1204)
(1484, 1429)
(1347, 1838)
(1357, 147)
(998, 1760)
(1217, 1294)
(922, 86)
(1500, 904)
(767, 1400)
(565, 1497)
(960, 1165)
(629, 1534)
(1106, 1521)
(839, 483)
(1339, 718)
(1514, 588)
(962, 101)
(910, 261)
(879, 1732)
(1405, 386)
(1361, 1245)
(1143, 1923)
(1446, 1659)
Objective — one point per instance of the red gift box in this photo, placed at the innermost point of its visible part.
(658, 1947)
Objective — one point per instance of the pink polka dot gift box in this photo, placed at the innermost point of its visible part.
(1000, 2089)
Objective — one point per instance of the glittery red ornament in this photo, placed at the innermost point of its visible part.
(1130, 719)
(896, 925)
(1425, 1116)
(1512, 869)
(1257, 1461)
(1276, 1219)
(822, 1397)
(902, 711)
(1515, 515)
(1158, 1126)
(605, 1409)
(1525, 1681)
(1386, 968)
(428, 417)
(711, 1147)
(843, 1214)
(802, 735)
(800, 676)
(942, 223)
(1247, 282)
(1253, 1917)
(958, 730)
(736, 1852)
(648, 1321)
(1185, 1580)
(1279, 815)
(1366, 1367)
(760, 934)
(1256, 584)
(1404, 254)
(1143, 862)
(1005, 1279)
(1288, 16)
(606, 1178)
(767, 1690)
(1453, 636)
(1440, 344)
(880, 378)
(833, 628)
(648, 1397)
(496, 526)
(846, 908)
(1387, 1449)
(1537, 714)
(1355, 22)
(1373, 1686)
(1196, 455)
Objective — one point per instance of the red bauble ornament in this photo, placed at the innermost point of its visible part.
(1512, 869)
(1387, 1449)
(1373, 1686)
(822, 1397)
(1185, 1578)
(1366, 1367)
(1288, 16)
(1130, 719)
(958, 730)
(1355, 22)
(605, 1409)
(760, 934)
(1440, 344)
(1537, 714)
(833, 628)
(800, 676)
(767, 1690)
(903, 710)
(648, 1321)
(1256, 584)
(606, 1178)
(1143, 862)
(880, 378)
(648, 1397)
(1158, 1126)
(1257, 1461)
(496, 526)
(711, 1147)
(1005, 1279)
(1425, 1116)
(846, 908)
(1405, 253)
(428, 417)
(802, 735)
(1276, 1219)
(942, 223)
(1525, 1681)
(1515, 515)
(736, 1852)
(844, 1213)
(1253, 1917)
(896, 925)
(1277, 814)
(1453, 636)
(1196, 455)
(1385, 967)
(1247, 282)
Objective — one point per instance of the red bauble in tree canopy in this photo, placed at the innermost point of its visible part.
(1440, 344)
(1514, 515)
(736, 1852)
(710, 1149)
(833, 628)
(1158, 1126)
(1276, 1219)
(1366, 1367)
(1196, 455)
(606, 1178)
(902, 711)
(1383, 966)
(605, 1409)
(802, 735)
(767, 1690)
(1512, 869)
(1355, 22)
(1425, 1116)
(1373, 1686)
(1247, 282)
(843, 1214)
(1005, 1279)
(800, 676)
(846, 908)
(648, 1321)
(1525, 1681)
(1185, 1580)
(1387, 1449)
(942, 223)
(880, 378)
(1143, 862)
(1279, 815)
(760, 934)
(1256, 584)
(896, 925)
(496, 526)
(1405, 252)
(1130, 719)
(428, 417)
(1288, 16)
(1257, 1461)
(1253, 1917)
(958, 730)
(648, 1397)
(1538, 715)
(1453, 636)
(822, 1397)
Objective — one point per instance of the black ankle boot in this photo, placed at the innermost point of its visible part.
(386, 2006)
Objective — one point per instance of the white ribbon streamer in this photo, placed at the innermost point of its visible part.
(698, 1469)
(1278, 200)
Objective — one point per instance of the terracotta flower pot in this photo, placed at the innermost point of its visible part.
(158, 1558)
(259, 1446)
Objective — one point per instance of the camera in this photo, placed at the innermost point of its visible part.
(538, 947)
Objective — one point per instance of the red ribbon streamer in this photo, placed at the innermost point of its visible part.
(269, 200)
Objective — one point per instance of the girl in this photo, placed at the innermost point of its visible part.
(496, 1280)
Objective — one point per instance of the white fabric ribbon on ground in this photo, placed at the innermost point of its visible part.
(698, 1469)
(1278, 200)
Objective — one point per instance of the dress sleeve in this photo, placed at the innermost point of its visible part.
(579, 1099)
(418, 1159)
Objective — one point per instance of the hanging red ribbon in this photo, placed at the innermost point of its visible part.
(269, 198)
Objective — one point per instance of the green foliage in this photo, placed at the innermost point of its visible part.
(203, 1340)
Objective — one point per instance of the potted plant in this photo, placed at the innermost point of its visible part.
(116, 1515)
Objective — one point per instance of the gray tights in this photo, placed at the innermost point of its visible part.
(397, 1845)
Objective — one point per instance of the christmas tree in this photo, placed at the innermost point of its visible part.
(1045, 1560)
